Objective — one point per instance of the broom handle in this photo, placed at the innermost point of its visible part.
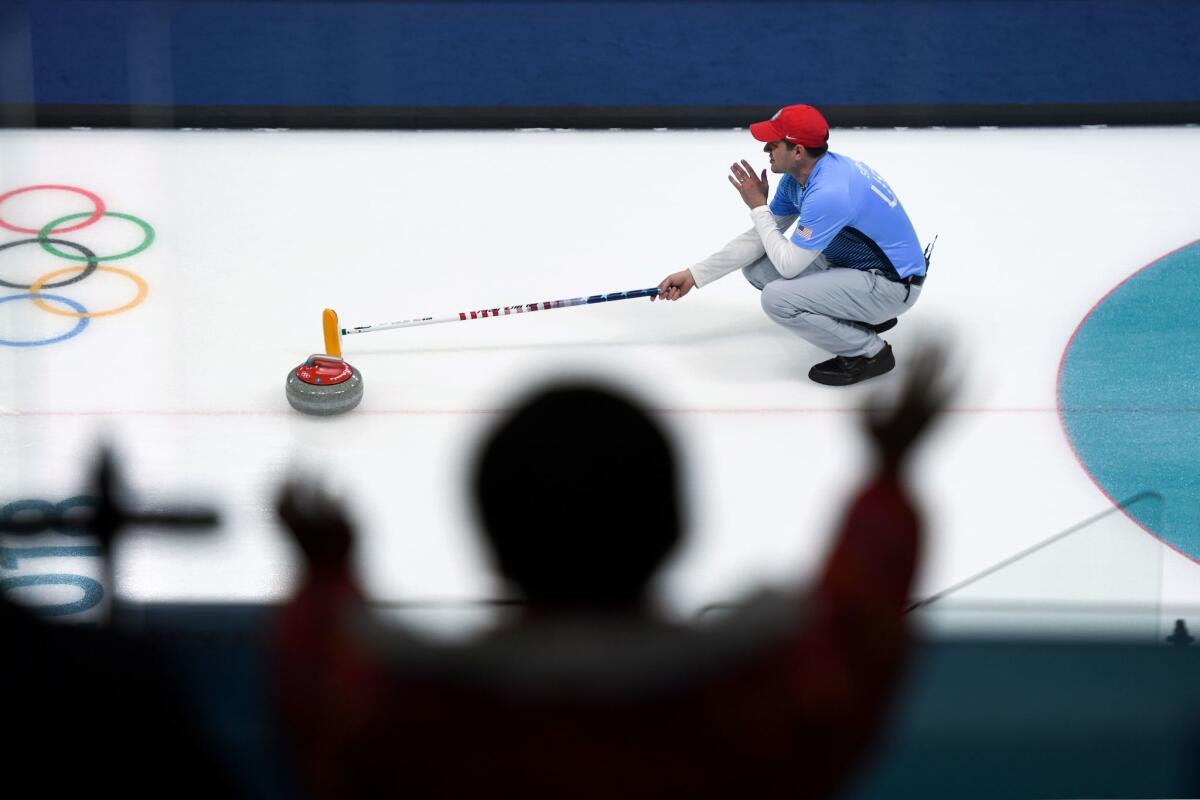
(503, 311)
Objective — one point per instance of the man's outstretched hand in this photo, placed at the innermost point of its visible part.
(675, 285)
(316, 520)
(923, 396)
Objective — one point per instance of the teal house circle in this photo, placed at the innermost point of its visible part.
(1129, 394)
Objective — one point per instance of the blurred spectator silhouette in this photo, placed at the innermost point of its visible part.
(589, 693)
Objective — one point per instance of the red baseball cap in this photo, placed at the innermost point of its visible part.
(798, 124)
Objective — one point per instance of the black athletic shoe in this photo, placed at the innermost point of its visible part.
(886, 325)
(843, 371)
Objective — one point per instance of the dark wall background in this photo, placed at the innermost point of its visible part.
(631, 62)
(978, 719)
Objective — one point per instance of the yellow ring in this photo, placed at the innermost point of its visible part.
(40, 303)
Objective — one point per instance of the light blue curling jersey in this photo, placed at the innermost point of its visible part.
(850, 215)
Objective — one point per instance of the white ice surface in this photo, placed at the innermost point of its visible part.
(259, 231)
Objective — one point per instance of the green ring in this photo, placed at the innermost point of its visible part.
(49, 226)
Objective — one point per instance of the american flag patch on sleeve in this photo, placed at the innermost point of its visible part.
(803, 232)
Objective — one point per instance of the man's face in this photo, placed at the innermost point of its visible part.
(783, 156)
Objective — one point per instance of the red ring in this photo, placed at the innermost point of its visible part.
(96, 201)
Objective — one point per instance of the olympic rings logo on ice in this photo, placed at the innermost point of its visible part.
(50, 239)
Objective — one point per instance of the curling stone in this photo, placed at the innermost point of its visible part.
(324, 385)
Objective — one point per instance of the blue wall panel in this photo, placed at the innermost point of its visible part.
(632, 53)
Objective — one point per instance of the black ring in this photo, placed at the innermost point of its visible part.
(88, 269)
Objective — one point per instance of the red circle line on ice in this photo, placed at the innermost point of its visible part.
(97, 203)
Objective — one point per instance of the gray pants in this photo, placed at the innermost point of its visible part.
(831, 307)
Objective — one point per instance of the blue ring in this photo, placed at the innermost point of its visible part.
(1127, 395)
(83, 321)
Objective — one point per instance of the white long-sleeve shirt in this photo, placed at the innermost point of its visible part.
(766, 237)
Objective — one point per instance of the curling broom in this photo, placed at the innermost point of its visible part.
(325, 384)
(502, 311)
